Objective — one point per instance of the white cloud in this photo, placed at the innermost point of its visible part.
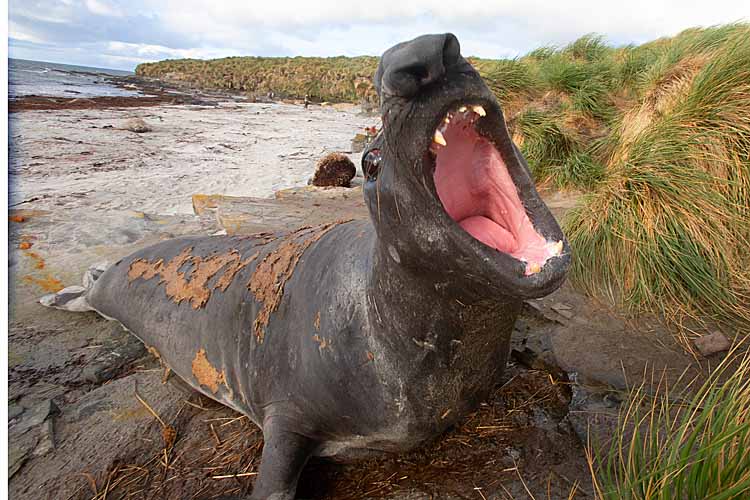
(636, 17)
(140, 30)
(45, 11)
(102, 8)
(142, 52)
(21, 33)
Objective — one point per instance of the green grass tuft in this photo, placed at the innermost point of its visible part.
(692, 447)
(508, 78)
(547, 144)
(589, 48)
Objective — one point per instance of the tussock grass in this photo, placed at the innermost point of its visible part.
(510, 77)
(544, 142)
(631, 63)
(590, 47)
(555, 150)
(669, 230)
(693, 447)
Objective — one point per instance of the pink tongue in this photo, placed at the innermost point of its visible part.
(489, 233)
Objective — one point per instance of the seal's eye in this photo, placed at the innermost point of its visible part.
(371, 164)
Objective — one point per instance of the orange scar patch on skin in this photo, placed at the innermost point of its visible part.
(323, 343)
(195, 288)
(205, 373)
(270, 276)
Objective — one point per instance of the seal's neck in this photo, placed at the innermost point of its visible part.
(430, 309)
(437, 346)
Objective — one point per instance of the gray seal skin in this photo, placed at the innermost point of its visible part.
(351, 338)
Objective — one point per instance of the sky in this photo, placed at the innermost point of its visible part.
(122, 33)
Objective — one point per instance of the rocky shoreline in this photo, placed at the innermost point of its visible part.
(154, 92)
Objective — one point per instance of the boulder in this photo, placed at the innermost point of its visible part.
(334, 169)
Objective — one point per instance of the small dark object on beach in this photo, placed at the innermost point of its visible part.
(334, 169)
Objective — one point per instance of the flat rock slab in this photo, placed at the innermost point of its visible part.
(291, 209)
(105, 426)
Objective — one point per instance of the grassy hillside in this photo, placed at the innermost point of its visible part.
(328, 79)
(656, 135)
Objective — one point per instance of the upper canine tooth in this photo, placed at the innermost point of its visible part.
(462, 109)
(558, 247)
(438, 137)
(447, 119)
(479, 110)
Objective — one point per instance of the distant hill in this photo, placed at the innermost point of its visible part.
(337, 79)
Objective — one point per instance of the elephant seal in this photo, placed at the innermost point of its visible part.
(360, 337)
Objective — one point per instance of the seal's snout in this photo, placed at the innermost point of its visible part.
(408, 67)
(445, 145)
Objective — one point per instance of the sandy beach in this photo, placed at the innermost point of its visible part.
(81, 162)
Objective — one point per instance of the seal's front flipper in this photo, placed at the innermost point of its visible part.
(73, 298)
(285, 453)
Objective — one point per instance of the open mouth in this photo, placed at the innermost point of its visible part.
(478, 192)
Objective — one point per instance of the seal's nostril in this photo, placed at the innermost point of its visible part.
(420, 74)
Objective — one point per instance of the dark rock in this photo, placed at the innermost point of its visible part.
(19, 450)
(593, 413)
(14, 411)
(35, 416)
(334, 169)
(563, 310)
(24, 440)
(537, 309)
(112, 363)
(101, 427)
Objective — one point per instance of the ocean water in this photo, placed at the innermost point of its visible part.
(62, 80)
